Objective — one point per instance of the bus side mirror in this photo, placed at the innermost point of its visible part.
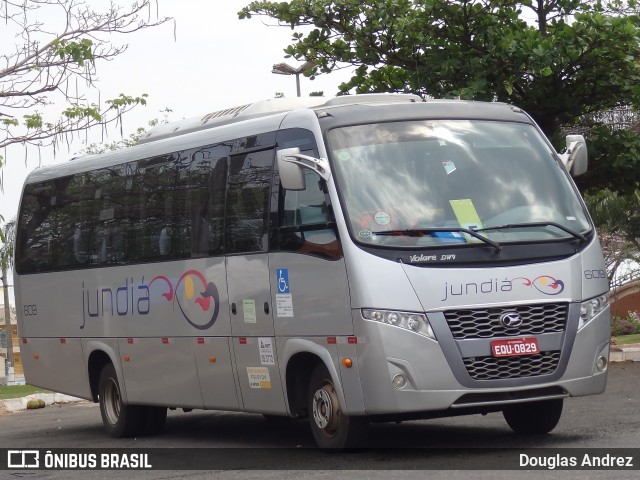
(291, 164)
(291, 175)
(575, 158)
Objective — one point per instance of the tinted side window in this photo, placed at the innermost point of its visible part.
(249, 186)
(162, 208)
(36, 225)
(303, 220)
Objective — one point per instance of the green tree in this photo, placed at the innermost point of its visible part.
(58, 46)
(7, 242)
(560, 60)
(617, 218)
(133, 139)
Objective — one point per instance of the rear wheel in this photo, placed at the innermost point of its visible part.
(331, 428)
(534, 417)
(119, 420)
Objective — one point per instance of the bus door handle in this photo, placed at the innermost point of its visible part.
(233, 308)
(266, 308)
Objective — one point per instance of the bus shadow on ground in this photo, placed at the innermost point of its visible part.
(233, 430)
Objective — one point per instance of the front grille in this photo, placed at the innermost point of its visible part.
(485, 322)
(490, 368)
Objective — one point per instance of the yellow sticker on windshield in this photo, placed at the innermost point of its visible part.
(466, 214)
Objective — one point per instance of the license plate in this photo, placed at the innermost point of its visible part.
(512, 347)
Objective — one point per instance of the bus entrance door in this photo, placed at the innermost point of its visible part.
(253, 333)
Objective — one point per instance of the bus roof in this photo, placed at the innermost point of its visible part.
(264, 108)
(268, 115)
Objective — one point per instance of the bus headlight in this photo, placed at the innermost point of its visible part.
(414, 322)
(591, 308)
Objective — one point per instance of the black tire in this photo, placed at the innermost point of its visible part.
(533, 417)
(119, 420)
(154, 420)
(331, 428)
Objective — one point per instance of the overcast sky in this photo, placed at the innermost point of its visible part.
(216, 61)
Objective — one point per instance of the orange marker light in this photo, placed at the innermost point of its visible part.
(126, 358)
(36, 356)
(212, 359)
(346, 362)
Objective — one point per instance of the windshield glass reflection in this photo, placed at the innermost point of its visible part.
(410, 178)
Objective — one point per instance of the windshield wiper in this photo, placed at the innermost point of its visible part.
(420, 232)
(574, 234)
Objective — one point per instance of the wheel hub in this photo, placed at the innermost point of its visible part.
(112, 402)
(325, 409)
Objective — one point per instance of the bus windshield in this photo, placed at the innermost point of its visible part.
(423, 183)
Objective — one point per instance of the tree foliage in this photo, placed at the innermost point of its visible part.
(618, 220)
(560, 60)
(132, 140)
(7, 243)
(53, 61)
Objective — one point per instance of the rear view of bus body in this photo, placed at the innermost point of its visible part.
(356, 259)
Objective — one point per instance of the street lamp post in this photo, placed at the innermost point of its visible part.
(286, 69)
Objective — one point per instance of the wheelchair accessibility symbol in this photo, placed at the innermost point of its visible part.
(283, 280)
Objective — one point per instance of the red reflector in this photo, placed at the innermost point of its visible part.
(24, 340)
(331, 340)
(201, 341)
(129, 340)
(165, 340)
(352, 340)
(63, 340)
(243, 340)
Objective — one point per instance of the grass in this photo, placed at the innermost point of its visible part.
(15, 391)
(626, 339)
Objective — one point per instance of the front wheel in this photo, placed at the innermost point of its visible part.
(331, 428)
(119, 420)
(533, 417)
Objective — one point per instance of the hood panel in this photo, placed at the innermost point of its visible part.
(439, 288)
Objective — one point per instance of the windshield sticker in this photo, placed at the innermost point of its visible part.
(571, 219)
(467, 215)
(343, 155)
(382, 218)
(544, 284)
(449, 166)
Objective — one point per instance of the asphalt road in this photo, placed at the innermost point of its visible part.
(248, 446)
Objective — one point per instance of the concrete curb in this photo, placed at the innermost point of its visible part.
(623, 353)
(20, 403)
